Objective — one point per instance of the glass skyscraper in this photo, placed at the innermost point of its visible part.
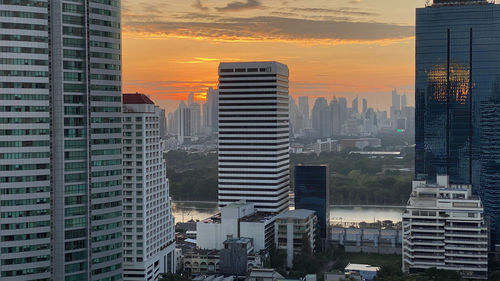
(312, 193)
(60, 140)
(457, 94)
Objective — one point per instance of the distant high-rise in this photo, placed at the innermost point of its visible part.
(365, 106)
(343, 112)
(404, 102)
(321, 118)
(60, 141)
(190, 100)
(148, 240)
(254, 135)
(457, 98)
(212, 110)
(335, 117)
(304, 109)
(355, 106)
(195, 118)
(312, 193)
(396, 100)
(183, 122)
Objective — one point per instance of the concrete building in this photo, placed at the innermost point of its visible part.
(236, 220)
(183, 122)
(290, 228)
(443, 227)
(211, 111)
(254, 157)
(234, 256)
(360, 143)
(365, 271)
(367, 240)
(60, 141)
(304, 110)
(326, 146)
(195, 110)
(148, 224)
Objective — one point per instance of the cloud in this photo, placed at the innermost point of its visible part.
(276, 28)
(237, 6)
(343, 11)
(198, 5)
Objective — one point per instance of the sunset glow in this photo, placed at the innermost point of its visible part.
(346, 48)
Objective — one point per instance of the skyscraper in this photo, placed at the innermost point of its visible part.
(365, 106)
(212, 110)
(195, 110)
(355, 107)
(404, 102)
(335, 117)
(312, 193)
(321, 118)
(396, 100)
(254, 135)
(60, 141)
(304, 109)
(457, 93)
(148, 240)
(183, 122)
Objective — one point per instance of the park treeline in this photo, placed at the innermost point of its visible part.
(354, 179)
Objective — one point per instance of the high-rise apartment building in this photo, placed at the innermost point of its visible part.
(365, 106)
(183, 122)
(60, 141)
(444, 227)
(456, 88)
(254, 135)
(148, 224)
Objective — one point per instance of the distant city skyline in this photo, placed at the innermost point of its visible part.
(167, 62)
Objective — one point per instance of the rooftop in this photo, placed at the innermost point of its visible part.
(295, 214)
(458, 2)
(136, 98)
(361, 267)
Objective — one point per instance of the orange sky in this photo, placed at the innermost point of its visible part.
(345, 48)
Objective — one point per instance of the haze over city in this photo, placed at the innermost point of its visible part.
(333, 48)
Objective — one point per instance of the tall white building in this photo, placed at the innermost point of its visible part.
(183, 122)
(148, 224)
(60, 140)
(254, 135)
(443, 227)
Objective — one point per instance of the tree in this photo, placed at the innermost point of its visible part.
(306, 246)
(173, 277)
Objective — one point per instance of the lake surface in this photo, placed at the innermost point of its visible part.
(184, 211)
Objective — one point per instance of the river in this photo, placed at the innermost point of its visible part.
(184, 211)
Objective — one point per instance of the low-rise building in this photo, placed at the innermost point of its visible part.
(443, 227)
(291, 227)
(236, 220)
(264, 274)
(364, 271)
(327, 145)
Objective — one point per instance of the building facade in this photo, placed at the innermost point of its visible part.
(60, 140)
(457, 73)
(312, 193)
(292, 229)
(254, 135)
(443, 227)
(148, 232)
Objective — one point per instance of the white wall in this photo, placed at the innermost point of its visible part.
(256, 231)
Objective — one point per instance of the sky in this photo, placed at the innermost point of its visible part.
(347, 48)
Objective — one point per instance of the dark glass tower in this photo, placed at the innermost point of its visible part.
(311, 192)
(457, 98)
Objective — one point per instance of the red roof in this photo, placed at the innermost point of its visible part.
(136, 99)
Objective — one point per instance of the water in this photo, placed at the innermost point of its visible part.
(184, 211)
